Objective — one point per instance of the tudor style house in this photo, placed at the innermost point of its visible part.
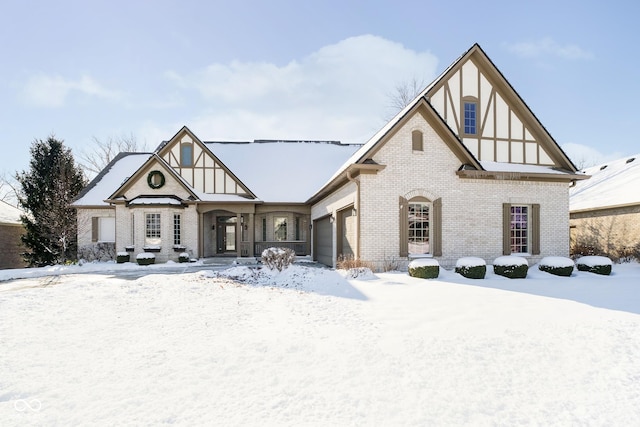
(466, 169)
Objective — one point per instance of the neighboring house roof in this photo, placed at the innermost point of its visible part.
(283, 171)
(9, 214)
(110, 178)
(612, 184)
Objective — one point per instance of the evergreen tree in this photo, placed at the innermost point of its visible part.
(46, 192)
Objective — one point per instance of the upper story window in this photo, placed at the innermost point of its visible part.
(470, 118)
(186, 155)
(417, 140)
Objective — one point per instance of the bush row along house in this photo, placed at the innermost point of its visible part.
(605, 210)
(465, 169)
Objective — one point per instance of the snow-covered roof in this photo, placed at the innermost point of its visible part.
(611, 184)
(9, 214)
(155, 201)
(520, 168)
(283, 171)
(114, 174)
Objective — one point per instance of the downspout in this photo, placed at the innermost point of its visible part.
(357, 208)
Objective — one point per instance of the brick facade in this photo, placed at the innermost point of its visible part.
(613, 232)
(471, 208)
(11, 246)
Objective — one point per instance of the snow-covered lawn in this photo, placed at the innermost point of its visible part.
(312, 347)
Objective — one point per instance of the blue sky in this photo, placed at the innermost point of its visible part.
(244, 70)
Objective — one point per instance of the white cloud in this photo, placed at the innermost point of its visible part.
(549, 47)
(53, 91)
(339, 92)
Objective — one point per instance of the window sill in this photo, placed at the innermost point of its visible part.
(520, 254)
(152, 249)
(413, 256)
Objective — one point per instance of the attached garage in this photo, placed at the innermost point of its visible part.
(346, 233)
(323, 241)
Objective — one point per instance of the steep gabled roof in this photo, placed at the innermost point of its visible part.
(165, 147)
(154, 158)
(110, 178)
(612, 184)
(481, 59)
(474, 167)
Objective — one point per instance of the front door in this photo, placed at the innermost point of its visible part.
(226, 235)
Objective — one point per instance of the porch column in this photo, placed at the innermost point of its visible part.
(239, 234)
(252, 230)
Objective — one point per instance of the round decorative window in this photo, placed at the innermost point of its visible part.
(155, 179)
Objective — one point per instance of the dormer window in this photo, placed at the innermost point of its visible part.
(470, 115)
(186, 155)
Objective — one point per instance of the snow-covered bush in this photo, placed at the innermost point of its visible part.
(183, 257)
(424, 268)
(471, 267)
(513, 267)
(595, 264)
(278, 258)
(122, 257)
(146, 258)
(557, 265)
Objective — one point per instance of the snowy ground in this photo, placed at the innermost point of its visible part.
(311, 347)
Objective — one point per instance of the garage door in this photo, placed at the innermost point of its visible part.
(323, 241)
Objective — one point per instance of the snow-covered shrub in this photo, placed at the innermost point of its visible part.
(471, 267)
(122, 257)
(183, 257)
(595, 264)
(278, 258)
(513, 267)
(424, 268)
(146, 258)
(101, 251)
(557, 265)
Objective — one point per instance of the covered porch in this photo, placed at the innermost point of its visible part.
(247, 230)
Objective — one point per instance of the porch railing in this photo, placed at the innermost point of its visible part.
(299, 247)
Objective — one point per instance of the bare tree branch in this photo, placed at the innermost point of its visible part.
(103, 151)
(8, 189)
(405, 92)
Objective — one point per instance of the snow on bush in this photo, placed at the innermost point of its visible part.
(595, 264)
(183, 257)
(278, 258)
(513, 267)
(122, 257)
(424, 268)
(146, 258)
(471, 267)
(557, 265)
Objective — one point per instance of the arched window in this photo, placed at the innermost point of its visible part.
(186, 155)
(418, 219)
(420, 226)
(417, 141)
(470, 110)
